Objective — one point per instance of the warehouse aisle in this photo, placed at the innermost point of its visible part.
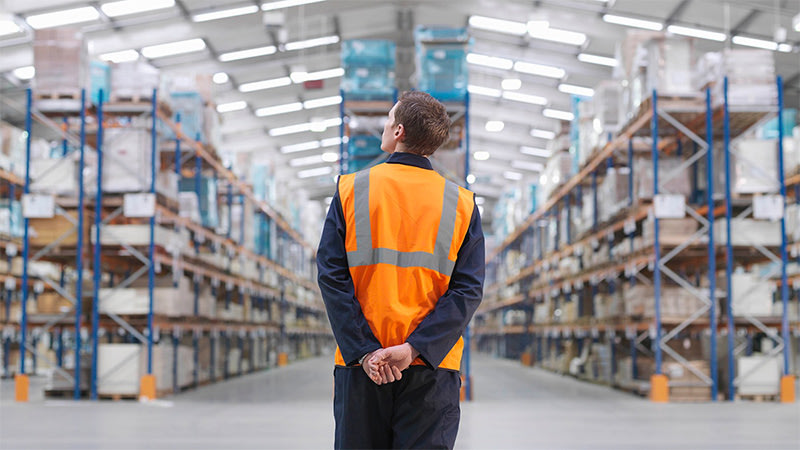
(515, 407)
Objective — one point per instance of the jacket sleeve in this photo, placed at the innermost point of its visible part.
(439, 331)
(350, 327)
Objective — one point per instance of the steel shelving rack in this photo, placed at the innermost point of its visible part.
(286, 288)
(694, 121)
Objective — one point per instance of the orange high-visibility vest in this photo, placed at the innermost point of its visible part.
(404, 226)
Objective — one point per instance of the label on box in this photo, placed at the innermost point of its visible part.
(669, 206)
(38, 206)
(139, 205)
(768, 207)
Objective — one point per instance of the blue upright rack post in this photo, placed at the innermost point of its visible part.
(97, 266)
(152, 226)
(728, 245)
(79, 254)
(787, 381)
(657, 244)
(22, 379)
(712, 254)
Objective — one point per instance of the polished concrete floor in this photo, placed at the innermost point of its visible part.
(515, 408)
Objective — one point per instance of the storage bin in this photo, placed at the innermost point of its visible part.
(190, 106)
(100, 79)
(442, 70)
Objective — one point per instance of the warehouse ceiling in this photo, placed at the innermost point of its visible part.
(289, 41)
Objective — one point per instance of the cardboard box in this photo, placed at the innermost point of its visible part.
(758, 375)
(45, 231)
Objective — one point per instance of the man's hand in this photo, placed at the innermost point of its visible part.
(371, 367)
(386, 365)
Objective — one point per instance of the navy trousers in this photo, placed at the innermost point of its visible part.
(420, 411)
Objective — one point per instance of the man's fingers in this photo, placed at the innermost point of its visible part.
(397, 374)
(387, 374)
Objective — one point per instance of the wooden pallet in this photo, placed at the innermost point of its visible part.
(63, 393)
(757, 398)
(118, 397)
(66, 94)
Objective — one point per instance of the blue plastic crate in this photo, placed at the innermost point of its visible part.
(442, 71)
(364, 146)
(191, 106)
(770, 129)
(366, 52)
(209, 212)
(433, 33)
(99, 78)
(368, 82)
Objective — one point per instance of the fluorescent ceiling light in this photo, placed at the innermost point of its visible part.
(286, 4)
(796, 23)
(330, 142)
(320, 102)
(596, 59)
(489, 61)
(761, 43)
(265, 84)
(8, 27)
(63, 17)
(527, 165)
(318, 172)
(694, 32)
(539, 69)
(24, 73)
(174, 48)
(494, 126)
(325, 74)
(576, 90)
(532, 151)
(248, 53)
(330, 157)
(471, 179)
(480, 90)
(631, 22)
(126, 7)
(232, 106)
(220, 78)
(298, 76)
(513, 176)
(301, 147)
(556, 35)
(556, 114)
(511, 84)
(309, 126)
(481, 156)
(225, 13)
(525, 98)
(498, 25)
(309, 43)
(278, 109)
(306, 161)
(542, 134)
(120, 56)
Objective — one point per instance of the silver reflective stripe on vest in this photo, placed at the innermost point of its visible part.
(366, 255)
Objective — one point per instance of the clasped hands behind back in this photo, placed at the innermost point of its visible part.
(386, 365)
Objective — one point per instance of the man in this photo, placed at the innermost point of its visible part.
(401, 269)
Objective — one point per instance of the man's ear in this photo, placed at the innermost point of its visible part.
(399, 132)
